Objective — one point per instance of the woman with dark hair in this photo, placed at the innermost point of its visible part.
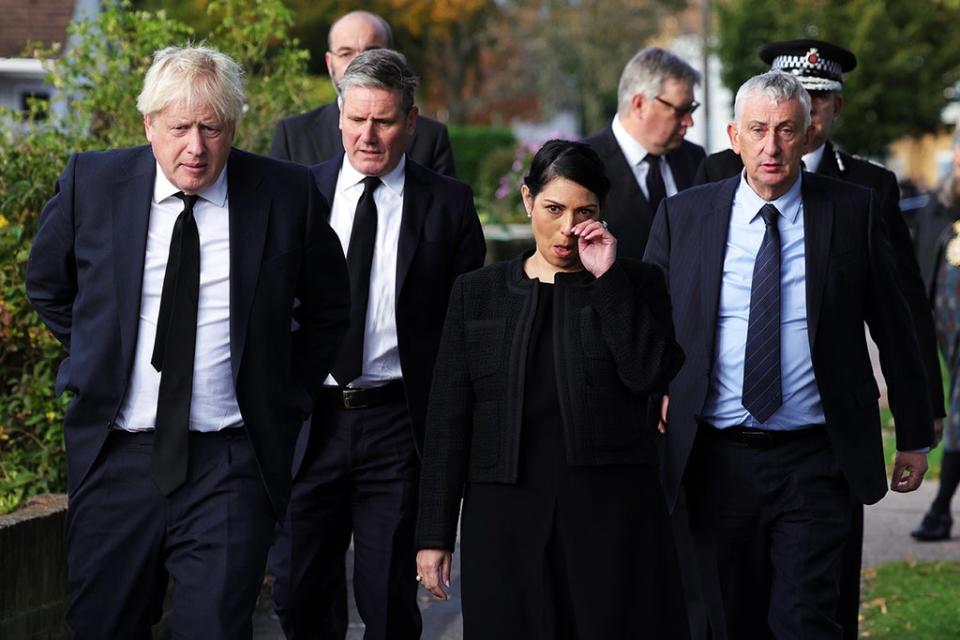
(537, 422)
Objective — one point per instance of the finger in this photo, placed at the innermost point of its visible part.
(445, 571)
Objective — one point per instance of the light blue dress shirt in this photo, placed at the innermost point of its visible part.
(801, 398)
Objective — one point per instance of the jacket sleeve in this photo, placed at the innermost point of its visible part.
(635, 319)
(449, 426)
(911, 284)
(891, 327)
(51, 277)
(323, 294)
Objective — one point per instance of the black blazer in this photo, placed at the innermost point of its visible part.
(626, 210)
(614, 346)
(440, 238)
(851, 278)
(84, 278)
(842, 166)
(314, 137)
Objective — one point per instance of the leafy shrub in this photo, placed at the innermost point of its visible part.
(98, 80)
(471, 146)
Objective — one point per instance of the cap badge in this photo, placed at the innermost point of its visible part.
(812, 56)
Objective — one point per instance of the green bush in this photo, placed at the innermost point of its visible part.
(471, 147)
(98, 80)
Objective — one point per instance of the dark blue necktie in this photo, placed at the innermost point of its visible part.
(762, 394)
(656, 189)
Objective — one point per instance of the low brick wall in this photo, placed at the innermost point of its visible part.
(33, 587)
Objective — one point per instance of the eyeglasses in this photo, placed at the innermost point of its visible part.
(680, 112)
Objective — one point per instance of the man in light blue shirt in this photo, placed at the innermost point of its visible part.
(772, 426)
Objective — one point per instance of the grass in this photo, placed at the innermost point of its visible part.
(915, 600)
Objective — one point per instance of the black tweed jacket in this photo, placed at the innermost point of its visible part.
(614, 347)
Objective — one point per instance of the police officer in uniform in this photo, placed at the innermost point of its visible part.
(820, 67)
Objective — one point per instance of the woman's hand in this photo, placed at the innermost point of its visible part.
(597, 248)
(433, 571)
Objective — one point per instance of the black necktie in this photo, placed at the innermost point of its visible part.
(762, 394)
(656, 190)
(349, 364)
(174, 349)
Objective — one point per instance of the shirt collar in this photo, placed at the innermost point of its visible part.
(633, 151)
(811, 161)
(350, 177)
(788, 204)
(215, 193)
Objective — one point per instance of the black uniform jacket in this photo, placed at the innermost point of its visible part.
(840, 165)
(614, 345)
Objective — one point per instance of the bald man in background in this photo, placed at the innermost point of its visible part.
(314, 137)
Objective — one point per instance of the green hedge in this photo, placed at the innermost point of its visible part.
(482, 154)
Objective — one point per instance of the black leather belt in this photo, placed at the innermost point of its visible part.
(752, 437)
(362, 398)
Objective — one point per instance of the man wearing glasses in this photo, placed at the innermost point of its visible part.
(643, 149)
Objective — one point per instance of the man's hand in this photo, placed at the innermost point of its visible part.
(908, 470)
(433, 571)
(664, 405)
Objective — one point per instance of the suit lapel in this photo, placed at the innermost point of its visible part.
(249, 211)
(681, 171)
(828, 163)
(817, 228)
(130, 203)
(629, 198)
(416, 202)
(713, 243)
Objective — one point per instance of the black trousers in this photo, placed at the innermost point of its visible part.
(124, 539)
(359, 477)
(769, 524)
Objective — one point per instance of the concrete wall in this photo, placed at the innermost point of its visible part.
(33, 588)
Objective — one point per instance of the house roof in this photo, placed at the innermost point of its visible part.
(30, 20)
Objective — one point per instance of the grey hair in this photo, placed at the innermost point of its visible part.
(194, 75)
(381, 69)
(383, 24)
(646, 72)
(776, 85)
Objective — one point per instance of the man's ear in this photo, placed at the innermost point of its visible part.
(734, 136)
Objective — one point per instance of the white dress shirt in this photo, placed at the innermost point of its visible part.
(214, 401)
(634, 152)
(801, 405)
(381, 357)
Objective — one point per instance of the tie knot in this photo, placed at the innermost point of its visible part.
(652, 159)
(188, 200)
(370, 184)
(769, 214)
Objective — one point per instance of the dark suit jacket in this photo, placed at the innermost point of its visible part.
(84, 278)
(440, 238)
(626, 210)
(851, 278)
(842, 166)
(314, 137)
(614, 345)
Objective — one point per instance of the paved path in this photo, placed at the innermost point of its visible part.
(886, 538)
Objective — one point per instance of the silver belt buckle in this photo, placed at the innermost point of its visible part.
(351, 398)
